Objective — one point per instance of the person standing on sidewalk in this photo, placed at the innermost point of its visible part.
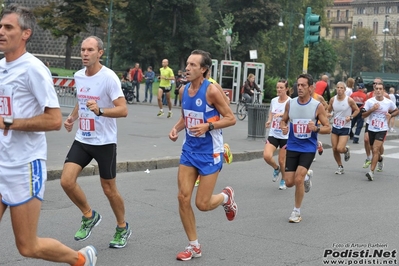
(204, 114)
(29, 108)
(149, 79)
(344, 109)
(276, 139)
(136, 76)
(303, 113)
(100, 102)
(379, 110)
(166, 75)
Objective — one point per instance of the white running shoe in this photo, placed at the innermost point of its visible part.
(90, 254)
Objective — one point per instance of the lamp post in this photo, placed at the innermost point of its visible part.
(109, 33)
(385, 31)
(281, 24)
(353, 38)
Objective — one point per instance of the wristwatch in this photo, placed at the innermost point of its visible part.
(318, 129)
(211, 127)
(8, 120)
(100, 112)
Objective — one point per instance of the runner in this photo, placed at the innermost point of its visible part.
(380, 110)
(276, 139)
(344, 109)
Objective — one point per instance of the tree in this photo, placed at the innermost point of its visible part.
(366, 53)
(224, 32)
(69, 18)
(322, 58)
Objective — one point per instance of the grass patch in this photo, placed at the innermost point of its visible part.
(62, 72)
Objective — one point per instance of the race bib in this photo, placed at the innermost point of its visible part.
(191, 119)
(339, 122)
(6, 101)
(275, 125)
(377, 121)
(301, 129)
(87, 124)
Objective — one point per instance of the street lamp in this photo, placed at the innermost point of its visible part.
(385, 31)
(109, 33)
(281, 24)
(353, 38)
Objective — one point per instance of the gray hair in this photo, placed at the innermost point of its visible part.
(100, 43)
(26, 18)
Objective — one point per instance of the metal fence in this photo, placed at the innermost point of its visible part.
(66, 91)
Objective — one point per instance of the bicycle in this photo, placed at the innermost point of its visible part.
(242, 105)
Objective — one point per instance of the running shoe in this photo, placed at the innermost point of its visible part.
(120, 237)
(160, 113)
(347, 154)
(308, 183)
(367, 163)
(295, 217)
(169, 114)
(228, 156)
(282, 185)
(276, 172)
(87, 225)
(370, 176)
(340, 170)
(189, 253)
(230, 207)
(380, 165)
(320, 147)
(90, 254)
(197, 181)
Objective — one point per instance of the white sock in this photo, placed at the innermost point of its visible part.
(306, 177)
(226, 198)
(194, 243)
(298, 210)
(161, 110)
(170, 111)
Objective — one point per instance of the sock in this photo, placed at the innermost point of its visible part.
(194, 243)
(161, 110)
(368, 158)
(226, 198)
(81, 260)
(298, 210)
(306, 177)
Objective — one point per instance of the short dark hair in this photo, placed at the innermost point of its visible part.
(306, 76)
(206, 60)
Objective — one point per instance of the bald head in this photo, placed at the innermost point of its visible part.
(325, 78)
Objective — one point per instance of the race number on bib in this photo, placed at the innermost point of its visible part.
(301, 129)
(339, 122)
(5, 105)
(87, 124)
(275, 125)
(193, 118)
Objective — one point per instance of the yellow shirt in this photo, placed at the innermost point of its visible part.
(212, 80)
(167, 73)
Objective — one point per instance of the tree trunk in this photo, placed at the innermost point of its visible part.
(68, 52)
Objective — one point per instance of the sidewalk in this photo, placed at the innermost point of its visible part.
(143, 142)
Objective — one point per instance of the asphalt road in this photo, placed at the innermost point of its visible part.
(339, 210)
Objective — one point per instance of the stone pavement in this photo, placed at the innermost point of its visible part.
(143, 142)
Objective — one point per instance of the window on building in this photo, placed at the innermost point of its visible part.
(328, 14)
(397, 26)
(375, 27)
(388, 10)
(360, 24)
(376, 10)
(347, 13)
(361, 10)
(338, 14)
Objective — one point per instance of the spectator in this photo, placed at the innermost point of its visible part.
(249, 88)
(136, 76)
(180, 81)
(322, 87)
(149, 79)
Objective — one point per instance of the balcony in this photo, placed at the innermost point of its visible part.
(340, 20)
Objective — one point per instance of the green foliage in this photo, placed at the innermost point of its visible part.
(322, 58)
(226, 28)
(270, 88)
(62, 72)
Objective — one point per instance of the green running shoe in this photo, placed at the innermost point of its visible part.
(120, 237)
(87, 224)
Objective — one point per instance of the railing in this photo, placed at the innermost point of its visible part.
(66, 91)
(340, 20)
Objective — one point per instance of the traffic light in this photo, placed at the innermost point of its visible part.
(312, 27)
